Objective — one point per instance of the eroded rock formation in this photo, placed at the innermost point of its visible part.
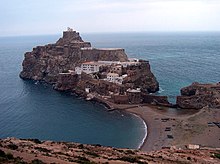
(55, 64)
(197, 96)
(46, 62)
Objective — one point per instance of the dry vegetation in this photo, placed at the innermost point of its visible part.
(34, 151)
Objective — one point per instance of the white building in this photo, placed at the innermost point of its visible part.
(114, 78)
(93, 66)
(78, 70)
(87, 90)
(125, 64)
(133, 60)
(108, 62)
(193, 147)
(87, 48)
(90, 67)
(124, 76)
(138, 90)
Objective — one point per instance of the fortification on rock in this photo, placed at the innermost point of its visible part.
(72, 64)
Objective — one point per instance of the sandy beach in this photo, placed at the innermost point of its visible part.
(177, 128)
(167, 130)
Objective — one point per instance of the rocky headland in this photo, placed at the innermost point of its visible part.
(107, 73)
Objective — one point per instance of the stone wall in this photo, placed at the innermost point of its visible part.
(104, 54)
(156, 100)
(120, 99)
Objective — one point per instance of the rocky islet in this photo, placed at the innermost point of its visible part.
(56, 64)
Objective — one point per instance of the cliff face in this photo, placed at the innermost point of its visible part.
(197, 96)
(141, 75)
(137, 77)
(46, 62)
(51, 63)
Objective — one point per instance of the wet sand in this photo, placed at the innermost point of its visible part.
(156, 135)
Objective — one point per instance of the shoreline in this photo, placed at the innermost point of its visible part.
(174, 130)
(188, 128)
(145, 129)
(185, 128)
(178, 135)
(151, 136)
(144, 141)
(129, 108)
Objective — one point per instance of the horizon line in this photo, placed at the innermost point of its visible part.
(113, 32)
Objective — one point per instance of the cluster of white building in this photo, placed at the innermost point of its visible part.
(93, 67)
(115, 78)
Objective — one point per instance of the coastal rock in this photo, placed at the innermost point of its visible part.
(46, 62)
(66, 81)
(197, 96)
(56, 64)
(141, 75)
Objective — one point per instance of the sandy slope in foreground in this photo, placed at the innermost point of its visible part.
(35, 151)
(182, 130)
(185, 129)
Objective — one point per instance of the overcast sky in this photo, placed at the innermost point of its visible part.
(29, 17)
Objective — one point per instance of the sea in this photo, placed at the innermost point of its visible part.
(30, 109)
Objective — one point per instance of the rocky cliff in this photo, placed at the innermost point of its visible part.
(138, 77)
(197, 96)
(46, 62)
(51, 63)
(141, 75)
(34, 151)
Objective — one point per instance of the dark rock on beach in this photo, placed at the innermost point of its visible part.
(197, 96)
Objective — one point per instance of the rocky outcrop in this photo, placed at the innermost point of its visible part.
(46, 62)
(197, 96)
(118, 93)
(141, 75)
(55, 64)
(14, 150)
(66, 81)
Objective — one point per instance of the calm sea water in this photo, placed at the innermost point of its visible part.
(28, 110)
